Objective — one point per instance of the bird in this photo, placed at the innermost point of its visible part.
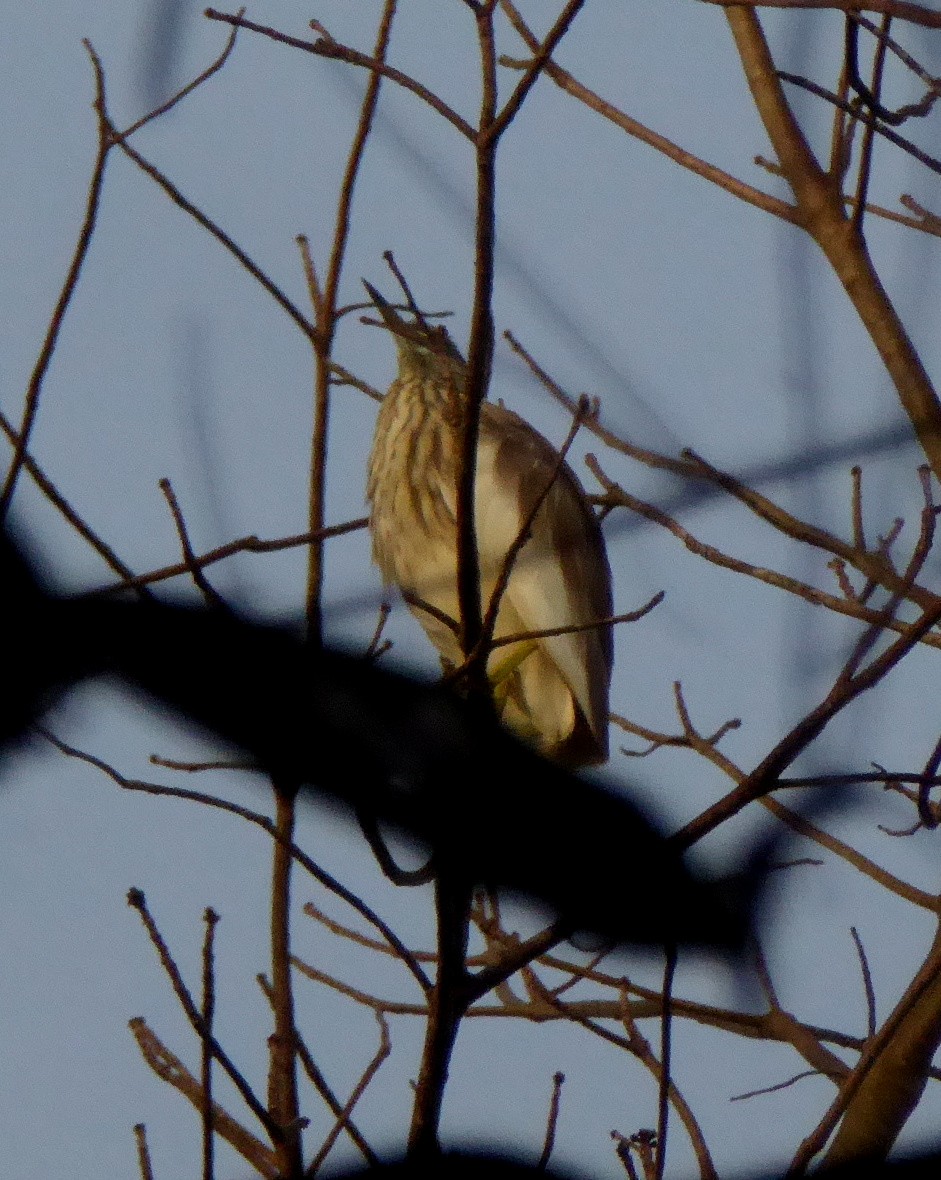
(552, 691)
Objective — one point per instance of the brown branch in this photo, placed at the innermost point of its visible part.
(251, 544)
(211, 918)
(376, 646)
(194, 569)
(328, 47)
(679, 740)
(849, 605)
(283, 1103)
(170, 1069)
(915, 14)
(874, 564)
(869, 121)
(867, 982)
(341, 376)
(262, 821)
(320, 1084)
(927, 779)
(143, 1152)
(845, 690)
(447, 1006)
(822, 214)
(885, 777)
(789, 1029)
(58, 501)
(485, 643)
(542, 1007)
(200, 767)
(54, 329)
(869, 131)
(225, 239)
(637, 130)
(665, 1081)
(630, 616)
(558, 1080)
(534, 67)
(356, 936)
(325, 305)
(803, 827)
(513, 959)
(364, 998)
(640, 1048)
(695, 741)
(343, 1118)
(777, 1087)
(186, 90)
(641, 1143)
(930, 82)
(887, 1082)
(137, 901)
(479, 359)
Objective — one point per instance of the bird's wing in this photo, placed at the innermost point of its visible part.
(561, 576)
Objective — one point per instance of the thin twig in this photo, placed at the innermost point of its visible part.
(325, 299)
(637, 130)
(58, 501)
(200, 767)
(874, 93)
(211, 918)
(534, 67)
(169, 1068)
(143, 1152)
(320, 1084)
(695, 741)
(798, 1077)
(137, 901)
(868, 120)
(376, 646)
(195, 570)
(523, 534)
(873, 1049)
(666, 1053)
(283, 1102)
(638, 1046)
(251, 544)
(343, 1118)
(558, 1080)
(850, 604)
(213, 228)
(764, 777)
(262, 821)
(631, 616)
(328, 47)
(867, 983)
(188, 89)
(51, 339)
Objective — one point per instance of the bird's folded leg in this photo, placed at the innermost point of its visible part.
(501, 674)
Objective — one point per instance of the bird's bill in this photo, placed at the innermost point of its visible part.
(390, 317)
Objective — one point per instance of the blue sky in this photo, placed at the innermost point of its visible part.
(697, 320)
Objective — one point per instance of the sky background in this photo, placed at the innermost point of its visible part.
(696, 320)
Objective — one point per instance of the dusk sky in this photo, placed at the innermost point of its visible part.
(696, 320)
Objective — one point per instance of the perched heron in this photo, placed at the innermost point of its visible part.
(552, 691)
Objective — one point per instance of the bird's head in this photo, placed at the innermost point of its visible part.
(425, 350)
